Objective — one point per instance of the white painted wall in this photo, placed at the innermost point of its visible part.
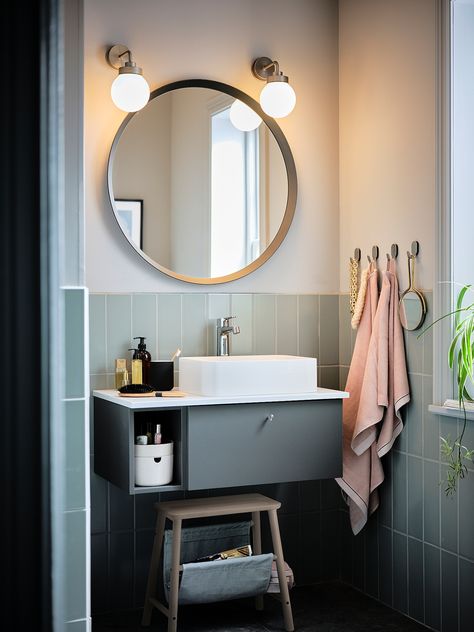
(387, 105)
(218, 39)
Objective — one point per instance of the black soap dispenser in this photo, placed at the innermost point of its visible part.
(142, 354)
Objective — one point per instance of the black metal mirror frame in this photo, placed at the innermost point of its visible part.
(289, 165)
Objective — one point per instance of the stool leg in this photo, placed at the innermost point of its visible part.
(277, 548)
(257, 549)
(153, 572)
(174, 588)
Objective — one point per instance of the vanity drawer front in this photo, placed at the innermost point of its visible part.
(250, 444)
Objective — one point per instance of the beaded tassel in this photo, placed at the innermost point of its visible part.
(353, 284)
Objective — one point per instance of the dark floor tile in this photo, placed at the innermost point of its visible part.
(330, 607)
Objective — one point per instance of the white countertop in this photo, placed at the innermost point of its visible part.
(137, 403)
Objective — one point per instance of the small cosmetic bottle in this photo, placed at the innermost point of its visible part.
(157, 435)
(120, 370)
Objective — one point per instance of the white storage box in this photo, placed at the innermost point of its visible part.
(154, 464)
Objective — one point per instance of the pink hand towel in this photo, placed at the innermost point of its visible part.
(398, 387)
(362, 473)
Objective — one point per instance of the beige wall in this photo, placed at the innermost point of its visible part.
(384, 133)
(218, 39)
(387, 83)
(190, 182)
(142, 171)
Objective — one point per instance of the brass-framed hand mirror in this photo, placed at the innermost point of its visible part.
(213, 202)
(412, 307)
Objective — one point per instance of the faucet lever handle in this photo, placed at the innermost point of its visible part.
(236, 329)
(227, 320)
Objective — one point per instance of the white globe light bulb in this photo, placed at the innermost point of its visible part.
(243, 117)
(130, 92)
(277, 99)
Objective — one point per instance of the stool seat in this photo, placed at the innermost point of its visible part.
(178, 510)
(217, 506)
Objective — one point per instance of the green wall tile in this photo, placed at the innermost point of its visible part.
(169, 325)
(372, 559)
(449, 517)
(449, 592)
(343, 374)
(386, 492)
(144, 321)
(242, 309)
(264, 318)
(75, 451)
(119, 328)
(218, 306)
(194, 333)
(99, 572)
(287, 324)
(98, 382)
(75, 580)
(414, 351)
(400, 573)
(385, 565)
(75, 302)
(345, 343)
(466, 514)
(310, 496)
(428, 337)
(97, 334)
(431, 502)
(328, 329)
(430, 422)
(466, 602)
(432, 588)
(414, 416)
(329, 377)
(121, 570)
(399, 491)
(415, 579)
(311, 542)
(415, 497)
(308, 326)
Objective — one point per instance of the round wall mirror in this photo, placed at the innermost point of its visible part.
(412, 309)
(196, 196)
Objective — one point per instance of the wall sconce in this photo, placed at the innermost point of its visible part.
(130, 91)
(277, 98)
(243, 117)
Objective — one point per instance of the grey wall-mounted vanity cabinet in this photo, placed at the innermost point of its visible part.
(223, 442)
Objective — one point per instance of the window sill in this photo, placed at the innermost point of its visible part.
(452, 410)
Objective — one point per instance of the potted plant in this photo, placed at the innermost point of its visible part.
(461, 360)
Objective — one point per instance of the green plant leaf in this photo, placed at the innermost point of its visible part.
(460, 301)
(452, 349)
(461, 360)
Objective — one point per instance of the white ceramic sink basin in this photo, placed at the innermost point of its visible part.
(216, 376)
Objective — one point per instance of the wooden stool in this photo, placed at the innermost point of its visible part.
(179, 510)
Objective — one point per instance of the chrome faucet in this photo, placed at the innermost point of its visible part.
(224, 328)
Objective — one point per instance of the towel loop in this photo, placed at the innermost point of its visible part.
(375, 253)
(369, 259)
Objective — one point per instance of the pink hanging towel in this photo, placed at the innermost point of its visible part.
(362, 470)
(398, 387)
